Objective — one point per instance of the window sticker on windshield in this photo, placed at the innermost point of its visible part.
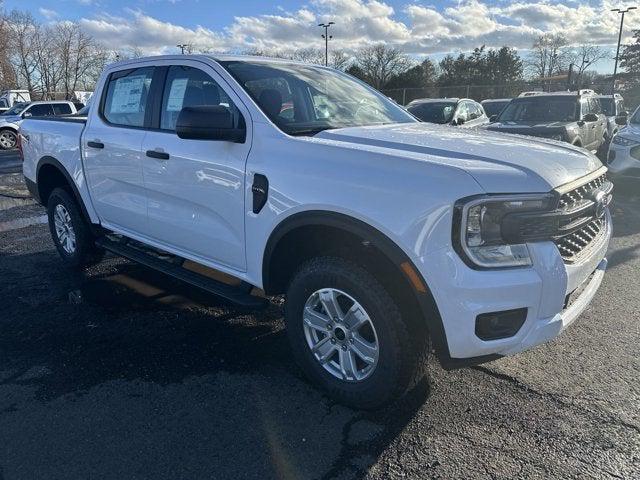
(176, 94)
(127, 94)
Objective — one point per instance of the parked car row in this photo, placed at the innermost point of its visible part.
(580, 118)
(11, 119)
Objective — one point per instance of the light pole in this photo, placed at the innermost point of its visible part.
(326, 37)
(182, 46)
(615, 68)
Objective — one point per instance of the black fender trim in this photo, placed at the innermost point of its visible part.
(55, 163)
(425, 300)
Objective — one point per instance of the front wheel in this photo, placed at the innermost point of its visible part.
(348, 335)
(8, 139)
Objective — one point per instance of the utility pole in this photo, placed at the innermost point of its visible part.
(182, 46)
(326, 37)
(615, 68)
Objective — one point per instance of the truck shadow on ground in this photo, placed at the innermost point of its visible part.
(75, 333)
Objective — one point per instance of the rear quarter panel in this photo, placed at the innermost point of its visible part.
(58, 141)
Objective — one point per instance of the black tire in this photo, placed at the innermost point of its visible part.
(85, 251)
(402, 361)
(9, 140)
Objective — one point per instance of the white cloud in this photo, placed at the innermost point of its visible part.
(421, 30)
(48, 14)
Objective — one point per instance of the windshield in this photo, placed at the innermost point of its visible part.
(635, 119)
(434, 112)
(540, 109)
(16, 109)
(303, 99)
(494, 108)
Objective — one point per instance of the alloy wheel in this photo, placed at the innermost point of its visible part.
(340, 335)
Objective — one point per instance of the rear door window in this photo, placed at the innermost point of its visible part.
(126, 96)
(40, 110)
(61, 109)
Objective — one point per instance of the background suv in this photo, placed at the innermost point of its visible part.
(574, 117)
(452, 111)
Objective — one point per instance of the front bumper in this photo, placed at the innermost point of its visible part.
(621, 162)
(462, 294)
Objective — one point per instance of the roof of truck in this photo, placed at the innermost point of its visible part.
(214, 57)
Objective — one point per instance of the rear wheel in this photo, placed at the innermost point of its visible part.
(71, 233)
(348, 335)
(8, 139)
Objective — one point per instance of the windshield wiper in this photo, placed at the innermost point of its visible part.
(310, 131)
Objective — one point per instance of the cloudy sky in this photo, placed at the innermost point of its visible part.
(417, 27)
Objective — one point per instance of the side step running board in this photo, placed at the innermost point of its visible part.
(233, 294)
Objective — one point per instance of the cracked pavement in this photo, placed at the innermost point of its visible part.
(119, 372)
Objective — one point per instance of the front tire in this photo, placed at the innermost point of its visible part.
(348, 335)
(71, 233)
(8, 139)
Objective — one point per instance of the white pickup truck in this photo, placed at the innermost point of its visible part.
(388, 237)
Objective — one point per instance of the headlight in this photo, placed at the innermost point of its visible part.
(624, 141)
(477, 230)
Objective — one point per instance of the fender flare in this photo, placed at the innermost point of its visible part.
(47, 160)
(425, 300)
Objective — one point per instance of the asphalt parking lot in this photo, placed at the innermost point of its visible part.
(119, 372)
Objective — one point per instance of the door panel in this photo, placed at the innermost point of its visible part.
(196, 195)
(113, 162)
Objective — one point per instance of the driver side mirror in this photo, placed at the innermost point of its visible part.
(590, 117)
(209, 122)
(26, 114)
(493, 118)
(457, 121)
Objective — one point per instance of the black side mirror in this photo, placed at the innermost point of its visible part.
(590, 117)
(493, 118)
(621, 120)
(209, 122)
(457, 121)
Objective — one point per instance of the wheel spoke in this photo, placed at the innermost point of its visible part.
(316, 320)
(325, 351)
(348, 365)
(367, 351)
(329, 300)
(354, 319)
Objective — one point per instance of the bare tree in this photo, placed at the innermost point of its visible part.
(308, 55)
(339, 60)
(22, 28)
(379, 63)
(549, 55)
(7, 72)
(583, 57)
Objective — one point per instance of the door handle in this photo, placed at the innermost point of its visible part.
(158, 155)
(95, 144)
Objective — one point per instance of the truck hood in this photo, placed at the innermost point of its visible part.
(632, 130)
(10, 118)
(500, 163)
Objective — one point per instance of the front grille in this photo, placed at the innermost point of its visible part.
(569, 200)
(580, 228)
(578, 243)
